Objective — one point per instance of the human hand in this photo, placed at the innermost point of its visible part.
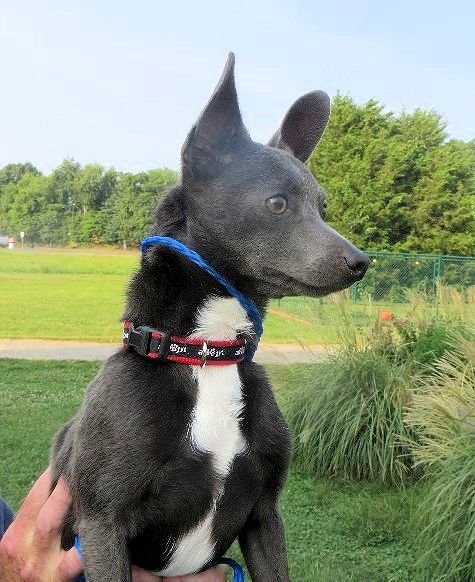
(30, 550)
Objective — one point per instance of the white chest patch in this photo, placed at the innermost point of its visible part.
(214, 426)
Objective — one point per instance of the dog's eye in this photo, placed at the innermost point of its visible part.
(276, 204)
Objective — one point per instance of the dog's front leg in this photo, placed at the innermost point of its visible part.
(105, 554)
(262, 543)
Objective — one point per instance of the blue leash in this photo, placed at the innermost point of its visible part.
(194, 257)
(237, 570)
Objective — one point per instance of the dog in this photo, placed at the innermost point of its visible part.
(168, 463)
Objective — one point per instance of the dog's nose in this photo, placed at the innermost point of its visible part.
(357, 262)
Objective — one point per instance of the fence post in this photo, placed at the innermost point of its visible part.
(436, 277)
(436, 272)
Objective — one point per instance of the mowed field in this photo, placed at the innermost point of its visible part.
(79, 295)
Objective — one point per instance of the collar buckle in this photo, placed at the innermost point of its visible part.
(147, 341)
(138, 338)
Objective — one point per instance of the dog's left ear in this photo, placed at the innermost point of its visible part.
(218, 131)
(303, 125)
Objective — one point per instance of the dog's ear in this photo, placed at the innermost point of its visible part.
(303, 125)
(217, 132)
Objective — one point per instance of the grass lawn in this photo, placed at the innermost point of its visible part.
(55, 294)
(336, 531)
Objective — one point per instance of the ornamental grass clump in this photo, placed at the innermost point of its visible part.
(347, 417)
(443, 419)
(348, 413)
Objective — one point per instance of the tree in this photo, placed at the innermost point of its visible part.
(130, 207)
(22, 205)
(394, 182)
(93, 185)
(13, 173)
(441, 211)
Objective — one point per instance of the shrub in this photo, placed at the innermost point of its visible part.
(347, 414)
(426, 341)
(443, 418)
(347, 417)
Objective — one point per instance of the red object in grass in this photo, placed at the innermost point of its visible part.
(385, 316)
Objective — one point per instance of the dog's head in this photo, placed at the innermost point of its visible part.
(258, 205)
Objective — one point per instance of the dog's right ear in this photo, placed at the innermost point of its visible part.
(218, 131)
(303, 125)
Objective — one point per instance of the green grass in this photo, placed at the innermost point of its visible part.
(67, 263)
(52, 295)
(347, 417)
(443, 415)
(55, 294)
(35, 400)
(336, 531)
(62, 307)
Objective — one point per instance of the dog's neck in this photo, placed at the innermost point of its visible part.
(168, 292)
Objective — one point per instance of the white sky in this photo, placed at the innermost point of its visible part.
(120, 83)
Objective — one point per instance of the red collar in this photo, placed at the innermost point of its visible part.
(164, 347)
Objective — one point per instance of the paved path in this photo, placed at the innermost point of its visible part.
(70, 350)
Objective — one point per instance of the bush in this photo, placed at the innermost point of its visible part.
(398, 406)
(443, 418)
(423, 342)
(347, 418)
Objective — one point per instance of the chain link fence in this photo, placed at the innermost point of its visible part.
(390, 275)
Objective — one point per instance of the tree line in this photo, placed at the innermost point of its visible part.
(80, 205)
(394, 182)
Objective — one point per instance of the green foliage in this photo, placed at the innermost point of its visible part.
(130, 207)
(395, 182)
(425, 343)
(416, 343)
(443, 417)
(13, 173)
(79, 205)
(347, 417)
(442, 203)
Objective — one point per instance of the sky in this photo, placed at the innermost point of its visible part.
(120, 83)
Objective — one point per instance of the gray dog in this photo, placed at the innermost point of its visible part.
(169, 461)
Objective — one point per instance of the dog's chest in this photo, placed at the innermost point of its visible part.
(215, 419)
(214, 428)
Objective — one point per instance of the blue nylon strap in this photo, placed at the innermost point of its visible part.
(77, 546)
(193, 256)
(238, 571)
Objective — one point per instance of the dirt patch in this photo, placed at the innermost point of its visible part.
(290, 316)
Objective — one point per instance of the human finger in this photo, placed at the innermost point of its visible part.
(50, 520)
(139, 575)
(71, 565)
(217, 574)
(33, 503)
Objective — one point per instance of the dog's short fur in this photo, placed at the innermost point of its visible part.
(167, 463)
